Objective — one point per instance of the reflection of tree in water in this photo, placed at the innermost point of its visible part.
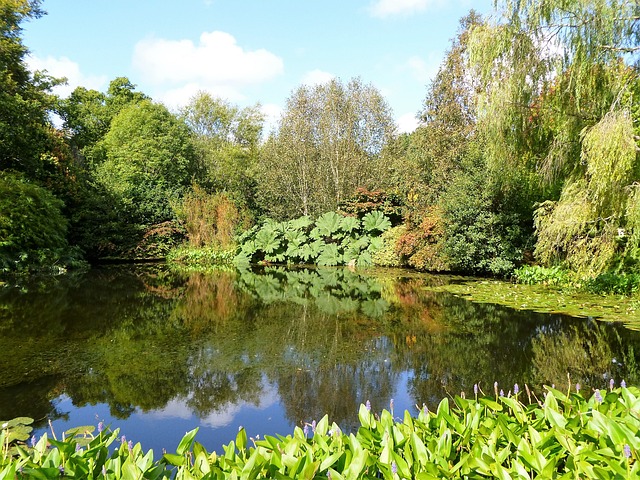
(327, 339)
(38, 406)
(337, 388)
(590, 352)
(455, 344)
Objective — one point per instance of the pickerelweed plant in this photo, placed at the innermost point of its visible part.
(333, 239)
(561, 435)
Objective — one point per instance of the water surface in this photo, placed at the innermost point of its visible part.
(156, 353)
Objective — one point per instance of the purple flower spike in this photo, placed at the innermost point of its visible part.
(123, 439)
(394, 468)
(425, 409)
(130, 445)
(597, 396)
(306, 429)
(368, 405)
(623, 384)
(100, 427)
(516, 389)
(577, 388)
(501, 393)
(475, 389)
(313, 426)
(328, 474)
(391, 405)
(611, 384)
(627, 451)
(33, 441)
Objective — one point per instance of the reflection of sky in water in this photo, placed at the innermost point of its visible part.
(163, 428)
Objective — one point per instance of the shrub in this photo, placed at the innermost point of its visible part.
(332, 239)
(619, 284)
(534, 275)
(211, 219)
(32, 227)
(364, 201)
(422, 245)
(388, 255)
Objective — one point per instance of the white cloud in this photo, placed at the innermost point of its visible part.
(216, 64)
(386, 8)
(407, 123)
(175, 98)
(175, 408)
(317, 77)
(64, 67)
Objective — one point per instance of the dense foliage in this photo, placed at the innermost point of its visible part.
(527, 151)
(560, 435)
(32, 227)
(333, 239)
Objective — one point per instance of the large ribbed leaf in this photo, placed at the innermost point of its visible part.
(349, 224)
(267, 240)
(328, 224)
(375, 221)
(329, 256)
(300, 223)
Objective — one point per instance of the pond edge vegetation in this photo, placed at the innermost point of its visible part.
(512, 436)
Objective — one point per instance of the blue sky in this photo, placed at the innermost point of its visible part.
(248, 51)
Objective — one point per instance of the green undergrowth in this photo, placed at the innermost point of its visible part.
(548, 299)
(608, 283)
(332, 239)
(201, 259)
(518, 436)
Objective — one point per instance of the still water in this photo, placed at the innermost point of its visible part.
(156, 353)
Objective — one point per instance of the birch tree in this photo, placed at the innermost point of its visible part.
(327, 144)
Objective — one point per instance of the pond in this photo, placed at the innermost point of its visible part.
(156, 353)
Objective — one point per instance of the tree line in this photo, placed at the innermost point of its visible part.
(527, 151)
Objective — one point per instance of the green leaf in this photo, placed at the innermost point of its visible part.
(187, 440)
(375, 221)
(328, 224)
(174, 459)
(267, 240)
(329, 256)
(376, 244)
(349, 224)
(300, 223)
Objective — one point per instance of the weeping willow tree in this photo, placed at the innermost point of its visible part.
(559, 102)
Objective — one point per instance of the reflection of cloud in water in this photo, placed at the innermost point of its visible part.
(175, 408)
(178, 408)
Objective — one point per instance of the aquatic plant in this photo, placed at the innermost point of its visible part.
(560, 435)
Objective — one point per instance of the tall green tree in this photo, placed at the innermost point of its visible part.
(87, 114)
(328, 143)
(227, 140)
(25, 101)
(149, 161)
(448, 117)
(560, 96)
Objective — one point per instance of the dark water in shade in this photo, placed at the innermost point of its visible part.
(157, 354)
